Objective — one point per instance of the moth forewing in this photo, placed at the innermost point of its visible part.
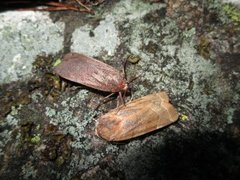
(136, 118)
(170, 111)
(91, 72)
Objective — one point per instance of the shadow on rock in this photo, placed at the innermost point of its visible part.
(195, 155)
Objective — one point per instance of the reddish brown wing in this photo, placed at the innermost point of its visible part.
(137, 117)
(89, 72)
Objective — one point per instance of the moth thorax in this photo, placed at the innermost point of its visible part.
(123, 86)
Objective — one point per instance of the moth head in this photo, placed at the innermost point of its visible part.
(125, 87)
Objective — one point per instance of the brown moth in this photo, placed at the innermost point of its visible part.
(92, 73)
(137, 117)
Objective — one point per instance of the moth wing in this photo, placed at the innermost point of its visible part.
(136, 118)
(111, 126)
(89, 72)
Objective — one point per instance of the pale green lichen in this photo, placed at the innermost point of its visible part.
(174, 67)
(23, 38)
(28, 171)
(106, 34)
(15, 110)
(11, 120)
(69, 122)
(230, 113)
(36, 97)
(50, 112)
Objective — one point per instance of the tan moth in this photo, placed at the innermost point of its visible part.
(137, 117)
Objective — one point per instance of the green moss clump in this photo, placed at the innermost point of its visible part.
(232, 12)
(204, 47)
(35, 139)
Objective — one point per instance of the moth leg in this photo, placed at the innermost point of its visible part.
(108, 96)
(120, 99)
(131, 96)
(104, 100)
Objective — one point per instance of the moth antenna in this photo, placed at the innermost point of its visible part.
(134, 78)
(124, 67)
(121, 98)
(130, 87)
(131, 96)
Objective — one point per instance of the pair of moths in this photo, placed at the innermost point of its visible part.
(133, 119)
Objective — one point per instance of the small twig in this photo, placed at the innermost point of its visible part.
(62, 6)
(53, 5)
(81, 4)
(56, 6)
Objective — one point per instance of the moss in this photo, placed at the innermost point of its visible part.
(133, 58)
(35, 139)
(57, 62)
(13, 96)
(204, 47)
(184, 117)
(232, 12)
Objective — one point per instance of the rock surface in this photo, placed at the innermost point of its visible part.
(188, 49)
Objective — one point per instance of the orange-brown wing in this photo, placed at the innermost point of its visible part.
(136, 118)
(89, 72)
